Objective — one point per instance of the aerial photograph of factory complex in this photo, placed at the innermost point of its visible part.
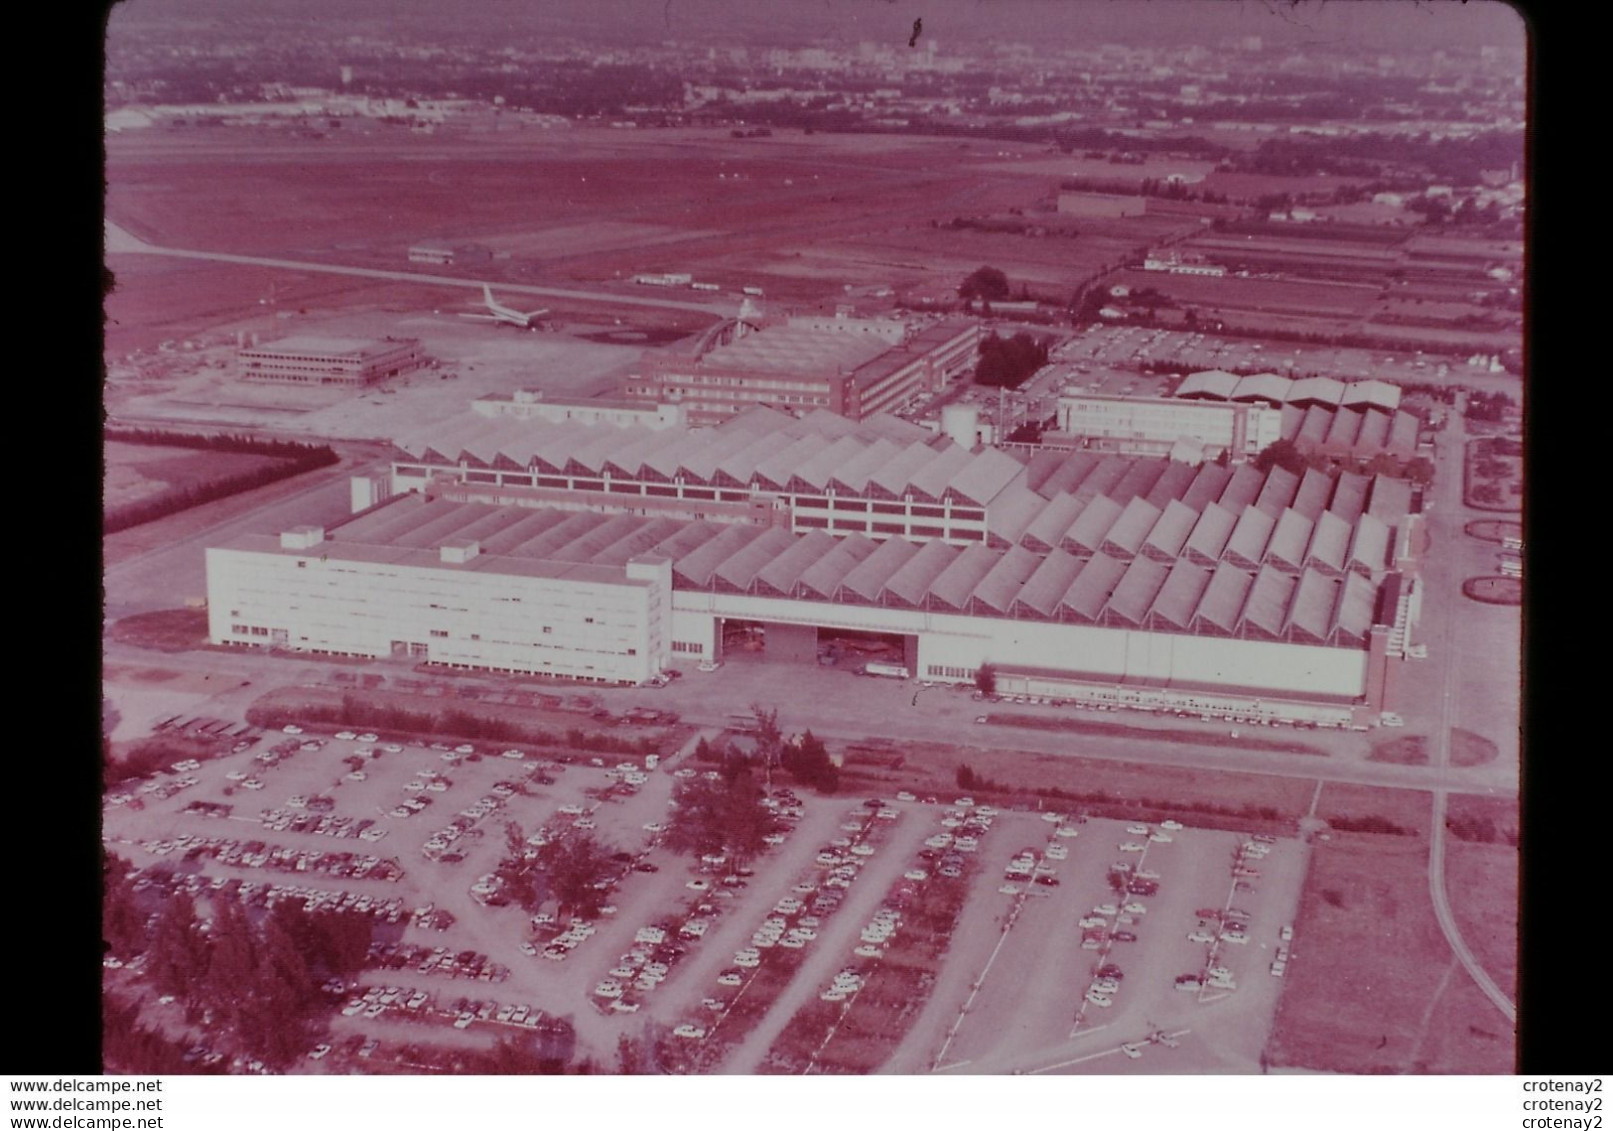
(705, 538)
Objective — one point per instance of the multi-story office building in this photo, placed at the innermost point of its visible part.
(311, 360)
(848, 366)
(1152, 425)
(446, 603)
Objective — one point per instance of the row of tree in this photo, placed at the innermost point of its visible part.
(128, 1046)
(1488, 407)
(289, 458)
(149, 756)
(354, 711)
(1290, 457)
(252, 976)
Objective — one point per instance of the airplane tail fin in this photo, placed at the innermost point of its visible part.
(487, 293)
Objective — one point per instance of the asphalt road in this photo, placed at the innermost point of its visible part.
(869, 708)
(163, 577)
(1451, 505)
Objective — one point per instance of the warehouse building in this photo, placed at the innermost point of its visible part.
(1152, 425)
(1103, 576)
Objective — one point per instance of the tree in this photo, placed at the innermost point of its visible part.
(123, 926)
(337, 943)
(966, 777)
(232, 958)
(285, 996)
(629, 1055)
(723, 817)
(517, 869)
(769, 737)
(1381, 464)
(807, 760)
(572, 866)
(178, 953)
(1283, 454)
(986, 678)
(985, 283)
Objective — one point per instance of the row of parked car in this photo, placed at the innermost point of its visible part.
(1132, 883)
(797, 917)
(1228, 926)
(265, 895)
(282, 858)
(436, 960)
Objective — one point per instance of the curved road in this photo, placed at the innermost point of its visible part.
(1451, 504)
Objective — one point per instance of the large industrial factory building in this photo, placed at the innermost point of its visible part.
(608, 552)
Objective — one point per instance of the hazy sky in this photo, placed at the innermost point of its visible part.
(1418, 25)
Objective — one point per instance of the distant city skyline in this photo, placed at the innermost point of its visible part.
(1391, 25)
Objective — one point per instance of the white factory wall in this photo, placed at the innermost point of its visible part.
(581, 628)
(695, 633)
(963, 643)
(1243, 430)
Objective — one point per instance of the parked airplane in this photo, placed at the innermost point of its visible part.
(497, 312)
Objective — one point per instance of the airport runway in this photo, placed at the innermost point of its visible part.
(119, 241)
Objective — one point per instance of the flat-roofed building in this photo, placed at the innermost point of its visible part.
(1152, 425)
(452, 605)
(535, 404)
(310, 359)
(851, 367)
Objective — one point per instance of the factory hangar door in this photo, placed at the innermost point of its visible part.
(770, 641)
(853, 649)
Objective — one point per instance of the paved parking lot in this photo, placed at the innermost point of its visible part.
(405, 830)
(1023, 967)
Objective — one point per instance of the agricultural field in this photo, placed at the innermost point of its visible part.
(136, 472)
(738, 213)
(1375, 987)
